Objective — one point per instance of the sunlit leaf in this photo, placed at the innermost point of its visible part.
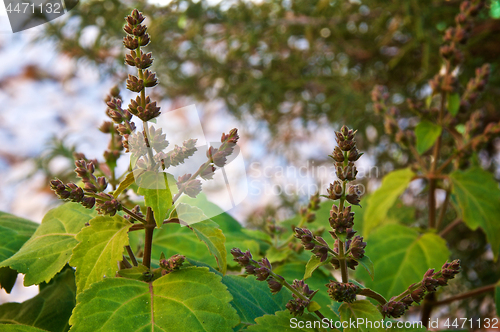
(100, 249)
(50, 247)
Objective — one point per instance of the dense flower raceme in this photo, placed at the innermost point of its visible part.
(415, 293)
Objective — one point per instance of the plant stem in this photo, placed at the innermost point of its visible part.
(341, 256)
(135, 216)
(131, 255)
(450, 226)
(148, 239)
(125, 262)
(465, 295)
(442, 213)
(374, 295)
(343, 266)
(427, 307)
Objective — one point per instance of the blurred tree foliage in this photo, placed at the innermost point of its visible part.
(287, 62)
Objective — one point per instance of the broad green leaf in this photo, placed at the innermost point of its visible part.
(453, 103)
(257, 234)
(187, 214)
(379, 202)
(401, 213)
(295, 270)
(426, 133)
(8, 278)
(313, 263)
(19, 328)
(274, 255)
(127, 182)
(191, 299)
(49, 249)
(282, 321)
(136, 272)
(365, 310)
(14, 232)
(100, 249)
(154, 186)
(400, 257)
(367, 264)
(478, 199)
(209, 232)
(49, 310)
(172, 239)
(252, 298)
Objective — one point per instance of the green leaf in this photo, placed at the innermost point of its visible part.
(357, 310)
(257, 234)
(49, 310)
(478, 196)
(453, 103)
(19, 328)
(401, 256)
(14, 232)
(252, 298)
(100, 249)
(274, 255)
(313, 263)
(282, 321)
(426, 133)
(367, 264)
(379, 203)
(209, 232)
(136, 272)
(187, 214)
(313, 306)
(191, 299)
(8, 278)
(127, 182)
(154, 186)
(49, 249)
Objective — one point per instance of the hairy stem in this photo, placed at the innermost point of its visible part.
(427, 307)
(442, 213)
(131, 255)
(450, 226)
(148, 238)
(465, 295)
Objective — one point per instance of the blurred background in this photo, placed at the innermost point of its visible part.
(286, 73)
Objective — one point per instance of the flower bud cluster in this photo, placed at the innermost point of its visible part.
(262, 269)
(344, 155)
(342, 292)
(453, 37)
(105, 203)
(475, 86)
(312, 242)
(192, 187)
(219, 156)
(397, 306)
(178, 155)
(171, 264)
(297, 304)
